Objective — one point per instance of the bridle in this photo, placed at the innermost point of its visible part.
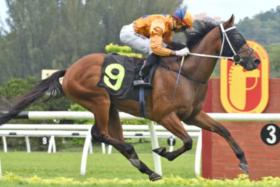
(225, 38)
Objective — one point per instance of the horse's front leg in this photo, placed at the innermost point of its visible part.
(172, 123)
(206, 122)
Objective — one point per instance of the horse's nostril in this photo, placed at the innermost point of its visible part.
(257, 61)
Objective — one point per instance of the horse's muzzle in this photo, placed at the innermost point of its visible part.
(250, 63)
(257, 62)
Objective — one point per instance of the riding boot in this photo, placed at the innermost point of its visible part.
(145, 69)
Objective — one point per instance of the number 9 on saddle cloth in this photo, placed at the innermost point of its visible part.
(118, 74)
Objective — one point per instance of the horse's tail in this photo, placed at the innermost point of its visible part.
(51, 85)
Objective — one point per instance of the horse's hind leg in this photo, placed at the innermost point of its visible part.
(101, 132)
(206, 122)
(115, 127)
(172, 123)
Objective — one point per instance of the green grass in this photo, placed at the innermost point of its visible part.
(99, 165)
(39, 169)
(66, 162)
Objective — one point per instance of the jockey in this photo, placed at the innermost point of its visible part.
(151, 34)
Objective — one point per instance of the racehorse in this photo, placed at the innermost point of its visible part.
(164, 106)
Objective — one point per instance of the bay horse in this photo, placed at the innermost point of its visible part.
(81, 79)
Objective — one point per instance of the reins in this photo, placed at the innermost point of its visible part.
(210, 56)
(225, 38)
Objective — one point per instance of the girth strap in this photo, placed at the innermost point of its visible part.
(142, 101)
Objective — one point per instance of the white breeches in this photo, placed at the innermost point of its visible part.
(138, 42)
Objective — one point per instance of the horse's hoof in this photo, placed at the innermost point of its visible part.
(154, 177)
(160, 151)
(170, 156)
(244, 168)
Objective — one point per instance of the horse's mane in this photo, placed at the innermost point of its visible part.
(199, 30)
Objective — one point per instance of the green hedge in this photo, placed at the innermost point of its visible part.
(242, 181)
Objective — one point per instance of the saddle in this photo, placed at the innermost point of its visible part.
(119, 73)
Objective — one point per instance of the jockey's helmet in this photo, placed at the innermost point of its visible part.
(183, 15)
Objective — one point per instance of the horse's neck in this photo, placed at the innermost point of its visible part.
(201, 68)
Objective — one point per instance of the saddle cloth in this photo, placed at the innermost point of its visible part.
(118, 74)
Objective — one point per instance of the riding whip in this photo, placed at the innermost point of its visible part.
(178, 75)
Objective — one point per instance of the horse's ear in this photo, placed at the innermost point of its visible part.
(229, 22)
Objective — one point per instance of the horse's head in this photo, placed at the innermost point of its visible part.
(234, 45)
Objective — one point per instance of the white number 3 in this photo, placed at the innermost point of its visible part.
(272, 132)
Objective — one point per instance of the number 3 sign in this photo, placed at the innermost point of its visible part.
(270, 134)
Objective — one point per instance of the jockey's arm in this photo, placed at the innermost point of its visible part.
(156, 39)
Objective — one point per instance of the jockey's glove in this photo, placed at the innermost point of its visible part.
(182, 52)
